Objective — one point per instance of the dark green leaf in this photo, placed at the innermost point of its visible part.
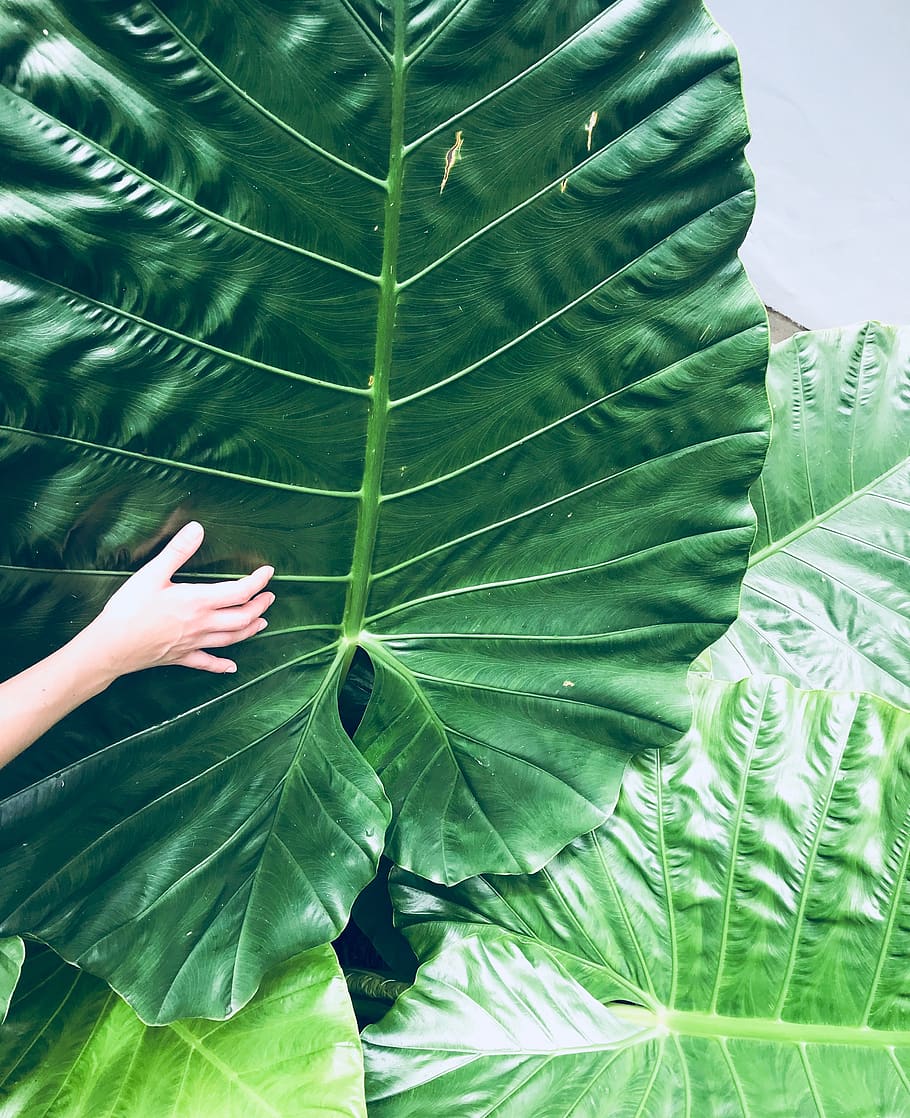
(499, 436)
(825, 600)
(733, 941)
(73, 1049)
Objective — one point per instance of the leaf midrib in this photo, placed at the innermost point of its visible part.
(776, 1030)
(378, 421)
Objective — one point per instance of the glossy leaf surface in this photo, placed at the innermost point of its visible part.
(733, 941)
(12, 954)
(72, 1049)
(499, 435)
(826, 600)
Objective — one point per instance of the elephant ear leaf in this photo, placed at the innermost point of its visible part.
(744, 910)
(12, 954)
(73, 1048)
(824, 602)
(437, 310)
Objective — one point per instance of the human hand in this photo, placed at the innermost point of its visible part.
(151, 622)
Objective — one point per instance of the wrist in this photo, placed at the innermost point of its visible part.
(97, 659)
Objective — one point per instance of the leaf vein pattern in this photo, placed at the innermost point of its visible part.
(810, 1079)
(415, 784)
(367, 31)
(571, 916)
(438, 30)
(864, 348)
(196, 343)
(194, 50)
(619, 902)
(734, 1077)
(191, 872)
(813, 623)
(523, 580)
(518, 638)
(470, 686)
(244, 884)
(531, 435)
(864, 544)
(133, 815)
(178, 1094)
(527, 931)
(594, 157)
(900, 879)
(852, 589)
(493, 93)
(826, 514)
(658, 1063)
(224, 1069)
(803, 424)
(665, 873)
(503, 1100)
(127, 1072)
(763, 638)
(77, 1059)
(901, 1074)
(191, 203)
(822, 806)
(684, 1069)
(734, 854)
(173, 464)
(535, 509)
(554, 316)
(587, 1090)
(45, 1026)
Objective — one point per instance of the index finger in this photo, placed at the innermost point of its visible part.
(178, 550)
(240, 590)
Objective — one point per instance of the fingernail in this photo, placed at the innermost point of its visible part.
(262, 624)
(230, 669)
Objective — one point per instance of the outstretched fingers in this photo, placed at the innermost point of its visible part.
(236, 593)
(205, 662)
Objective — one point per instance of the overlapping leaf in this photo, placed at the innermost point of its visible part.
(733, 941)
(12, 954)
(826, 600)
(73, 1049)
(498, 434)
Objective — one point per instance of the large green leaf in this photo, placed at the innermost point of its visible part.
(498, 435)
(73, 1049)
(12, 954)
(826, 601)
(734, 941)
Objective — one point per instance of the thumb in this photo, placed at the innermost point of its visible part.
(178, 551)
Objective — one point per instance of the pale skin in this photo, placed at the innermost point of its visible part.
(150, 622)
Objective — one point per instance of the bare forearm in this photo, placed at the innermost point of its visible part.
(149, 622)
(34, 700)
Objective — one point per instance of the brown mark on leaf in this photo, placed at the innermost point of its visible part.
(452, 157)
(563, 185)
(590, 126)
(370, 381)
(568, 683)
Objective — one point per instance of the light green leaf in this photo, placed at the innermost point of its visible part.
(825, 602)
(12, 953)
(742, 923)
(73, 1049)
(498, 436)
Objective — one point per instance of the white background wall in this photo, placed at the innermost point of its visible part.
(827, 85)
